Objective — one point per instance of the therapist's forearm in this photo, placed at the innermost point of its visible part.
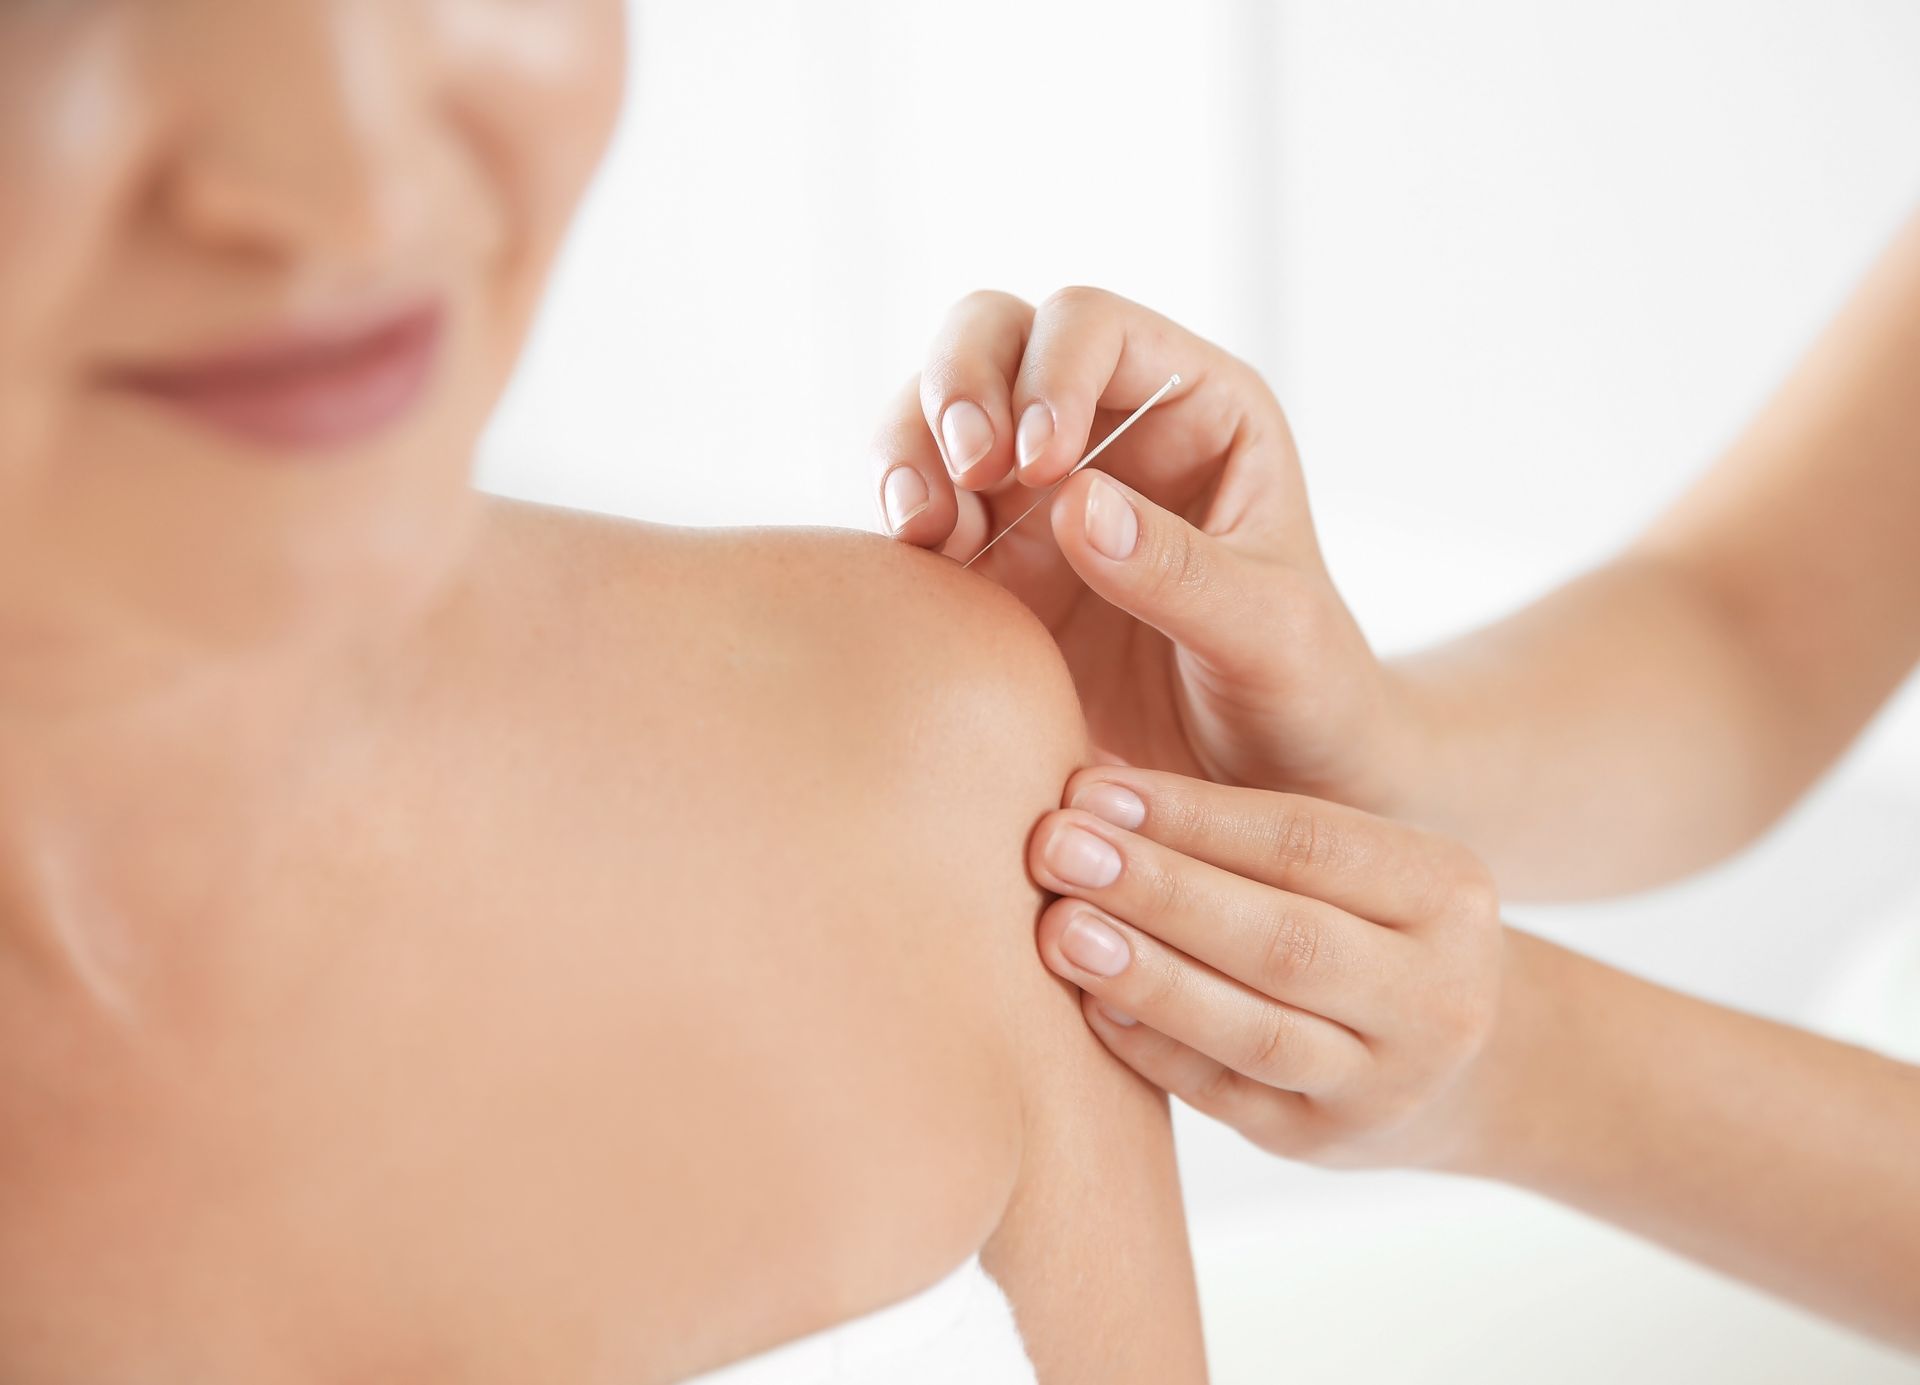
(1611, 736)
(1658, 713)
(1783, 1158)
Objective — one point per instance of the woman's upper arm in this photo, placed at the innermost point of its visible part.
(1092, 1249)
(974, 737)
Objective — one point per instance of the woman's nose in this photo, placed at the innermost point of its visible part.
(302, 134)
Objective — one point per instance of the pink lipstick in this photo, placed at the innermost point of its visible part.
(304, 390)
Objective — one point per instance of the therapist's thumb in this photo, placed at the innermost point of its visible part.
(1217, 603)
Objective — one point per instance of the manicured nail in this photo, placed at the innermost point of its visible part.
(1118, 805)
(1119, 1017)
(1094, 947)
(969, 433)
(1111, 525)
(1080, 858)
(1034, 433)
(904, 494)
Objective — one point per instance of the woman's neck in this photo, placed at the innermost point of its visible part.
(142, 787)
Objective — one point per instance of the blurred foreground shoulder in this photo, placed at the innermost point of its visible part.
(962, 678)
(873, 734)
(920, 655)
(984, 720)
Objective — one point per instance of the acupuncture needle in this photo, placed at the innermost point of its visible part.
(1105, 443)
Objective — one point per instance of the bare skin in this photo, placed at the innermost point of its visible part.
(444, 940)
(1688, 693)
(340, 1078)
(1637, 724)
(1338, 985)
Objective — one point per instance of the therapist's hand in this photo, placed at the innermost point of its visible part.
(1321, 979)
(1186, 589)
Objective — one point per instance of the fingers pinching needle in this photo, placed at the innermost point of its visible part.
(1105, 442)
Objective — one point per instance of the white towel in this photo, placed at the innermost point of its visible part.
(959, 1332)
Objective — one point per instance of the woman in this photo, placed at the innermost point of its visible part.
(447, 940)
(1337, 985)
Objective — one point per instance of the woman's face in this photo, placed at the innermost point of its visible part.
(264, 268)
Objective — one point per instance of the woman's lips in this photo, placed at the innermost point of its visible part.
(305, 391)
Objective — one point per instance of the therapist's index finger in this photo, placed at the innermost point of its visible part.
(1090, 350)
(965, 385)
(1381, 870)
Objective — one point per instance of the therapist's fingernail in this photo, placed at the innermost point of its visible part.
(1111, 525)
(1034, 433)
(904, 494)
(1080, 858)
(1094, 947)
(1119, 1017)
(1118, 805)
(968, 432)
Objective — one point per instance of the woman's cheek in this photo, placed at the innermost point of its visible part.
(538, 89)
(72, 136)
(73, 131)
(543, 81)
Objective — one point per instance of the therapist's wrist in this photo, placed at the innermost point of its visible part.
(1519, 1106)
(1408, 778)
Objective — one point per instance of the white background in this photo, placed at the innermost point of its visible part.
(1517, 271)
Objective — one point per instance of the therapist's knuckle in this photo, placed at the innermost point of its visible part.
(1270, 1049)
(1218, 1094)
(985, 302)
(1472, 894)
(1291, 946)
(1076, 300)
(1299, 839)
(1177, 570)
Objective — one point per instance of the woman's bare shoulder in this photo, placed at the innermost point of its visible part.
(894, 665)
(832, 751)
(888, 725)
